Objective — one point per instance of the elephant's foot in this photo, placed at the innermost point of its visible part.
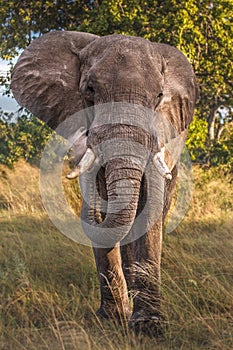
(150, 325)
(113, 313)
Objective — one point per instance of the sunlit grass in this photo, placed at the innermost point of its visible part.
(49, 288)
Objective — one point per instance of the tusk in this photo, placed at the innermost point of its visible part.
(74, 173)
(161, 165)
(84, 164)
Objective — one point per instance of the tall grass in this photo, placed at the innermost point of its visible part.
(49, 288)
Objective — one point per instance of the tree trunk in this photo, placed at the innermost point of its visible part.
(211, 123)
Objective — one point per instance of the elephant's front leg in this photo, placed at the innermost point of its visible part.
(114, 293)
(146, 315)
(147, 272)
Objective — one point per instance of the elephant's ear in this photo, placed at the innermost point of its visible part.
(180, 90)
(45, 79)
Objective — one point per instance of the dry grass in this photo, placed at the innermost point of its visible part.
(19, 189)
(49, 288)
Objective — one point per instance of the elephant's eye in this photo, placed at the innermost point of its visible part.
(158, 98)
(89, 92)
(160, 94)
(90, 89)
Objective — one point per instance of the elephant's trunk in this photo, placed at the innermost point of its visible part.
(123, 178)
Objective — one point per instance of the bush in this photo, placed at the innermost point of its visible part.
(197, 138)
(21, 137)
(216, 153)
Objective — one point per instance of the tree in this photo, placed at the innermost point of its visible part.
(206, 37)
(24, 137)
(21, 21)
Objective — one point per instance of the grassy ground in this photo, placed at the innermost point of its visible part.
(49, 288)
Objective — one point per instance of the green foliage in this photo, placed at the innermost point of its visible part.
(197, 137)
(202, 150)
(221, 151)
(116, 17)
(24, 137)
(21, 21)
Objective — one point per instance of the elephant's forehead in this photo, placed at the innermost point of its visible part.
(117, 46)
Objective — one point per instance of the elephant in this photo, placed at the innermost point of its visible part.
(139, 97)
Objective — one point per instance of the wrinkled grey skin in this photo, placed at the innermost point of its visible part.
(62, 73)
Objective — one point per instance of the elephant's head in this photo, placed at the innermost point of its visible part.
(126, 82)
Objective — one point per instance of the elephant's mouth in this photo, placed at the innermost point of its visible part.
(100, 134)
